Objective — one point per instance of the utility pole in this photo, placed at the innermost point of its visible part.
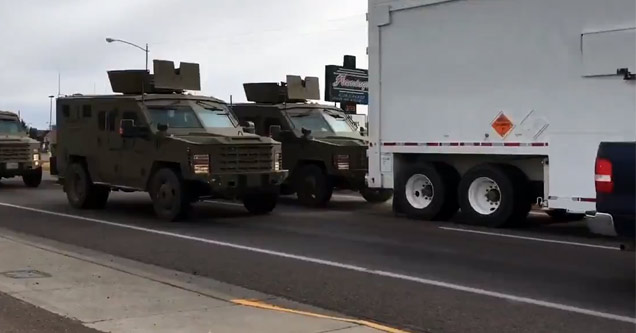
(51, 112)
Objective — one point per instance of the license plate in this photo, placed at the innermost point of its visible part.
(12, 166)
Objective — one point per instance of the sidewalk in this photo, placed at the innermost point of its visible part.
(112, 294)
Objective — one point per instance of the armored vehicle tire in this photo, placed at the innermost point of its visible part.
(260, 203)
(494, 195)
(376, 195)
(427, 192)
(80, 190)
(33, 178)
(313, 187)
(169, 199)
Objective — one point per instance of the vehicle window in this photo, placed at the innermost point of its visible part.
(101, 120)
(181, 116)
(215, 118)
(9, 126)
(66, 110)
(111, 121)
(338, 122)
(312, 121)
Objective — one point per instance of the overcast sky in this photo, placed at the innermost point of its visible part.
(234, 41)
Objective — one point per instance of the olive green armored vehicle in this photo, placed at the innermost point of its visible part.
(153, 136)
(19, 154)
(322, 146)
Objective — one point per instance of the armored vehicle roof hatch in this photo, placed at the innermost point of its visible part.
(294, 90)
(166, 79)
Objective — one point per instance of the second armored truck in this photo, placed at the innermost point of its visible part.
(19, 154)
(322, 146)
(154, 137)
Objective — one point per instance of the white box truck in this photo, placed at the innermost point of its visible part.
(489, 106)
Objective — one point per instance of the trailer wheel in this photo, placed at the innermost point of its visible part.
(313, 187)
(260, 203)
(493, 195)
(428, 192)
(169, 199)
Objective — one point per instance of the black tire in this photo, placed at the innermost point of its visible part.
(562, 215)
(167, 191)
(376, 195)
(511, 196)
(313, 187)
(260, 203)
(79, 187)
(33, 178)
(441, 188)
(99, 196)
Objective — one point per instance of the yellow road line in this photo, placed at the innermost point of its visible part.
(261, 305)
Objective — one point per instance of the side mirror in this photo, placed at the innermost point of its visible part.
(162, 127)
(306, 133)
(363, 131)
(249, 127)
(127, 128)
(274, 132)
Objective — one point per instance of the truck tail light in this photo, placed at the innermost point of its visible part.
(603, 176)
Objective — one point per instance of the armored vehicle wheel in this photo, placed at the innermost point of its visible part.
(313, 187)
(33, 178)
(80, 190)
(376, 195)
(260, 203)
(169, 199)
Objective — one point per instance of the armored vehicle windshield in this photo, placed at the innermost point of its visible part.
(10, 126)
(322, 120)
(189, 114)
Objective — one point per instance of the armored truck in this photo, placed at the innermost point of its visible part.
(19, 154)
(322, 147)
(155, 137)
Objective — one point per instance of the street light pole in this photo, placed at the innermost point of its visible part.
(111, 40)
(51, 112)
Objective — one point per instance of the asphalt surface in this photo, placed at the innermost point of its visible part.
(17, 316)
(360, 260)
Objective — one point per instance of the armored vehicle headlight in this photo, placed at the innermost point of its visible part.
(341, 162)
(36, 157)
(201, 164)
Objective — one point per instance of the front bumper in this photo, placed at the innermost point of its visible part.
(232, 186)
(14, 168)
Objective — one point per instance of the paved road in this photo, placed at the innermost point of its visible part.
(360, 260)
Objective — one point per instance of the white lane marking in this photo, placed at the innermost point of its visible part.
(324, 262)
(544, 240)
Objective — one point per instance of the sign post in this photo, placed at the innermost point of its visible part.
(347, 85)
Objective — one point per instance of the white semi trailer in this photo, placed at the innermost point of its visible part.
(489, 106)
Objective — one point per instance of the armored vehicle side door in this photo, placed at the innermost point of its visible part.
(138, 151)
(108, 144)
(291, 145)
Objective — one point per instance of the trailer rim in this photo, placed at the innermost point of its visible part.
(419, 191)
(484, 195)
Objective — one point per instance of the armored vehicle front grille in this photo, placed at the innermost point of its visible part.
(244, 159)
(14, 152)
